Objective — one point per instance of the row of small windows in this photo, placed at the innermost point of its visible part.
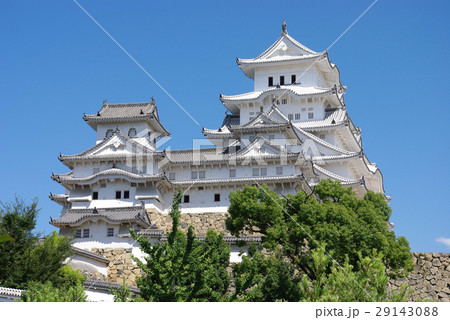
(126, 195)
(84, 233)
(298, 116)
(187, 198)
(132, 132)
(256, 171)
(282, 80)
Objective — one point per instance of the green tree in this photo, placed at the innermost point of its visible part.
(340, 283)
(24, 259)
(46, 292)
(332, 215)
(183, 268)
(123, 293)
(17, 220)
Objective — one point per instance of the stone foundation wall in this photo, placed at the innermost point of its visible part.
(430, 278)
(201, 222)
(120, 265)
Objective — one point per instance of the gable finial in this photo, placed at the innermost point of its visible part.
(283, 28)
(104, 101)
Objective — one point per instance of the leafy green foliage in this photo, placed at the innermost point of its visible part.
(17, 220)
(333, 215)
(123, 293)
(183, 268)
(260, 278)
(46, 292)
(38, 267)
(335, 283)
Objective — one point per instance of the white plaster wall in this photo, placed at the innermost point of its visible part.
(142, 129)
(89, 264)
(98, 296)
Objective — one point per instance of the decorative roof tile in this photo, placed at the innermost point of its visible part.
(120, 214)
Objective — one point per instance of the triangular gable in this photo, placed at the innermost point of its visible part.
(120, 144)
(260, 147)
(262, 119)
(116, 142)
(274, 113)
(285, 46)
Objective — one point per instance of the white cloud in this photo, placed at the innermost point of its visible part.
(445, 241)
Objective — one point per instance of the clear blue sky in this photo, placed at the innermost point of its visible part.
(56, 64)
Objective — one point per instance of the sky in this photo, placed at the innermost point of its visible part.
(57, 64)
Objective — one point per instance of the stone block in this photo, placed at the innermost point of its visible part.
(436, 262)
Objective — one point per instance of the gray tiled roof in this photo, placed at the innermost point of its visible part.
(68, 178)
(107, 286)
(121, 214)
(141, 111)
(239, 181)
(122, 110)
(227, 239)
(89, 254)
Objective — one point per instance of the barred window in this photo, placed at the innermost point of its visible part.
(85, 233)
(110, 232)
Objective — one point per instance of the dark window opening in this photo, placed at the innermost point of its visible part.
(110, 232)
(270, 81)
(217, 197)
(95, 195)
(186, 198)
(85, 233)
(118, 194)
(126, 194)
(78, 233)
(293, 79)
(281, 80)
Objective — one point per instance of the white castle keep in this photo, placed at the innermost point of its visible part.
(289, 133)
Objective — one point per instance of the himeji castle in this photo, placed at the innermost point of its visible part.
(290, 132)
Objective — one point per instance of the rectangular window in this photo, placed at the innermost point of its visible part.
(310, 109)
(118, 194)
(270, 81)
(297, 116)
(171, 175)
(201, 174)
(255, 172)
(310, 115)
(95, 195)
(283, 101)
(281, 80)
(271, 137)
(217, 197)
(102, 185)
(85, 233)
(290, 116)
(193, 174)
(232, 173)
(293, 79)
(200, 188)
(310, 100)
(303, 109)
(279, 171)
(322, 136)
(186, 198)
(133, 184)
(264, 171)
(126, 194)
(110, 232)
(78, 233)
